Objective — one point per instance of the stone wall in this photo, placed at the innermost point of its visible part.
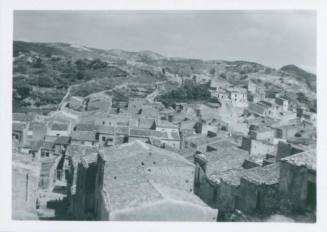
(294, 186)
(25, 181)
(258, 198)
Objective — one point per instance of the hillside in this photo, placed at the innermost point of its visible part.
(43, 72)
(301, 74)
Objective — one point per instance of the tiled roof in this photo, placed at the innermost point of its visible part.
(200, 139)
(106, 130)
(231, 176)
(263, 175)
(85, 127)
(18, 126)
(304, 159)
(83, 135)
(151, 174)
(225, 157)
(64, 140)
(47, 145)
(165, 124)
(22, 117)
(36, 125)
(145, 133)
(59, 127)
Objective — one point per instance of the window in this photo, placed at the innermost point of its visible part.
(103, 139)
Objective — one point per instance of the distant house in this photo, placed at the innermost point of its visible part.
(75, 103)
(18, 132)
(85, 127)
(288, 130)
(257, 89)
(187, 127)
(109, 136)
(36, 131)
(135, 105)
(170, 139)
(263, 133)
(61, 144)
(149, 111)
(199, 142)
(87, 138)
(257, 147)
(165, 126)
(98, 102)
(139, 182)
(262, 108)
(309, 118)
(22, 117)
(237, 96)
(180, 106)
(122, 119)
(282, 102)
(58, 129)
(47, 149)
(286, 149)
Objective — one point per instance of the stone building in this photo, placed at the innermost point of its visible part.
(286, 149)
(84, 205)
(259, 189)
(18, 132)
(257, 89)
(58, 129)
(135, 105)
(139, 182)
(257, 147)
(87, 138)
(25, 181)
(109, 135)
(237, 96)
(98, 102)
(298, 181)
(217, 174)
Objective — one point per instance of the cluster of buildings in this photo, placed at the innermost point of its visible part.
(140, 161)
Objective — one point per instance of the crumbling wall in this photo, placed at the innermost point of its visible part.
(226, 197)
(294, 186)
(258, 198)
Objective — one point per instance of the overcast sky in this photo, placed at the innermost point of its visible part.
(273, 38)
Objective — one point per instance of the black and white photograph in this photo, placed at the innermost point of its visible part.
(164, 116)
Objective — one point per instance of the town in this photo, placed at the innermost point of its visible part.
(247, 156)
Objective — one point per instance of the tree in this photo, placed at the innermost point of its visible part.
(38, 63)
(24, 91)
